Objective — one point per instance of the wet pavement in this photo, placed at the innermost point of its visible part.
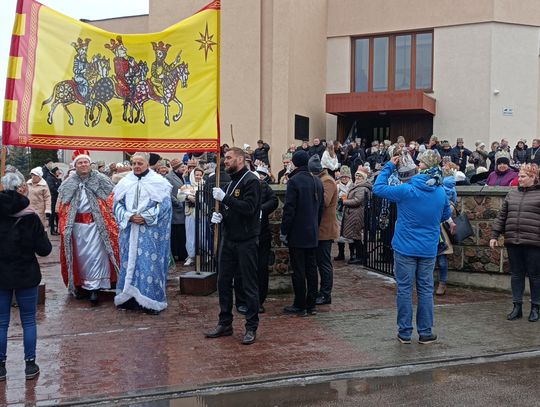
(493, 383)
(95, 354)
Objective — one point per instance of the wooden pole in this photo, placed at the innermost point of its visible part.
(216, 204)
(3, 163)
(232, 135)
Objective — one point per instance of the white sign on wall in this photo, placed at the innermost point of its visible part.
(508, 111)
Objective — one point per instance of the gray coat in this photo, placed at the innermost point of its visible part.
(178, 215)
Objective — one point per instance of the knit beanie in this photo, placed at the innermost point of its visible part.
(300, 158)
(314, 164)
(430, 158)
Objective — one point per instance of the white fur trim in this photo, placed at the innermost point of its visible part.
(81, 156)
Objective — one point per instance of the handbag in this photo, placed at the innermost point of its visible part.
(463, 228)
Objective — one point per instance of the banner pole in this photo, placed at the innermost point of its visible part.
(232, 135)
(216, 204)
(3, 163)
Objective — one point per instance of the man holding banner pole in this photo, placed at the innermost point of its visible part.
(240, 218)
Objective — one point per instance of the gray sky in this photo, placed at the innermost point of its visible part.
(89, 9)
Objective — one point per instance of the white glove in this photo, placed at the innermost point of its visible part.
(218, 194)
(216, 217)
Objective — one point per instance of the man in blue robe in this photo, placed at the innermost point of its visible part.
(143, 211)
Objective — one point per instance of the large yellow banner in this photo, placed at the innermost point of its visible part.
(72, 85)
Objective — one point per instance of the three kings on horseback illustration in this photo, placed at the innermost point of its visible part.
(93, 87)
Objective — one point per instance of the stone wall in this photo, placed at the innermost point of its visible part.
(481, 204)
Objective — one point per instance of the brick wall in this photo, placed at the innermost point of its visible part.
(481, 204)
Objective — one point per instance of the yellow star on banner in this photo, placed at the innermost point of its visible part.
(206, 42)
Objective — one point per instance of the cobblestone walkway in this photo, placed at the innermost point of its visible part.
(90, 353)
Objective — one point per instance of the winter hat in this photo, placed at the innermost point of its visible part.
(531, 170)
(314, 164)
(522, 140)
(363, 171)
(479, 144)
(80, 154)
(459, 176)
(300, 158)
(430, 158)
(175, 163)
(503, 160)
(459, 140)
(407, 168)
(481, 170)
(154, 158)
(37, 171)
(345, 171)
(445, 144)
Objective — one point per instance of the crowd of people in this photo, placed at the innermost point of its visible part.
(124, 225)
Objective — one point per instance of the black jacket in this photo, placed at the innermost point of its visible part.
(319, 150)
(262, 154)
(21, 238)
(269, 204)
(303, 208)
(241, 207)
(460, 157)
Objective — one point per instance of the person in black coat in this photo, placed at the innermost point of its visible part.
(269, 204)
(460, 155)
(53, 182)
(22, 236)
(261, 152)
(302, 213)
(317, 148)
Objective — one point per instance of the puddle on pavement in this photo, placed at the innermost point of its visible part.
(332, 391)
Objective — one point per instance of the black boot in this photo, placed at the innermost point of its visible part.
(94, 297)
(359, 259)
(3, 371)
(352, 251)
(341, 252)
(516, 313)
(533, 316)
(31, 370)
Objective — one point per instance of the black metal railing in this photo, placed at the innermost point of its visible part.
(379, 223)
(206, 258)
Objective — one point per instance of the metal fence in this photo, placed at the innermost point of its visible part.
(206, 259)
(379, 223)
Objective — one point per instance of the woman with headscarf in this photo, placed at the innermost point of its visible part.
(143, 210)
(22, 236)
(39, 195)
(519, 222)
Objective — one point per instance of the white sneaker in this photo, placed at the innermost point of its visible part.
(189, 261)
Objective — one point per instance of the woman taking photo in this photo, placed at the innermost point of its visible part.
(22, 236)
(519, 222)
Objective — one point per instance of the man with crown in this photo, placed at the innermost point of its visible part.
(161, 70)
(125, 68)
(88, 232)
(80, 65)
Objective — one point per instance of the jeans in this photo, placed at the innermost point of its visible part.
(409, 270)
(524, 260)
(442, 262)
(324, 264)
(304, 265)
(27, 301)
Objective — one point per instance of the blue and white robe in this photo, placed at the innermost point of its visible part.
(144, 249)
